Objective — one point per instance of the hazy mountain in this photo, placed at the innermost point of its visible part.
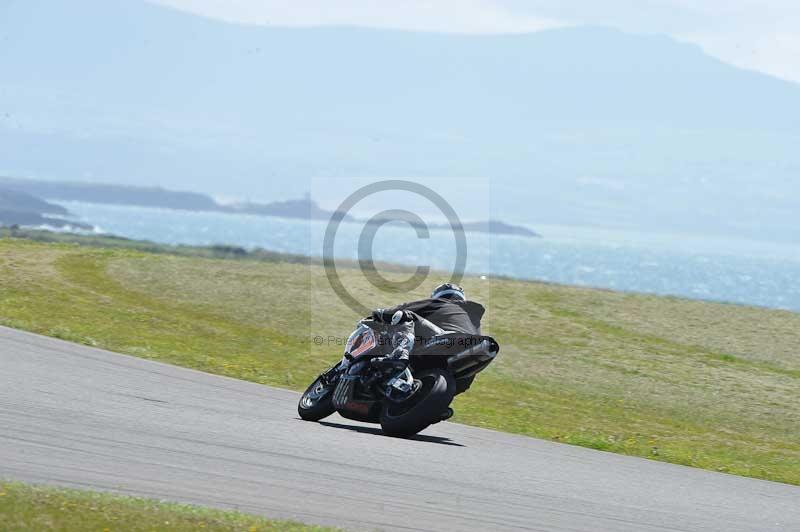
(582, 125)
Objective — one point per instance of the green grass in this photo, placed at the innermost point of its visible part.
(26, 508)
(702, 384)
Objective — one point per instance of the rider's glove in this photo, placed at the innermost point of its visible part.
(400, 353)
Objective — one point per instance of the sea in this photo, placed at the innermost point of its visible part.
(749, 272)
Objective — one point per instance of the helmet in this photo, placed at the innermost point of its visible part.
(448, 291)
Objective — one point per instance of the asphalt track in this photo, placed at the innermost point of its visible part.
(77, 416)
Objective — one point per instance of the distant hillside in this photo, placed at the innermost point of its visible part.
(14, 200)
(112, 194)
(302, 208)
(158, 197)
(305, 208)
(489, 226)
(573, 126)
(20, 208)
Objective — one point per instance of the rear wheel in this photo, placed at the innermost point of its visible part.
(317, 401)
(426, 406)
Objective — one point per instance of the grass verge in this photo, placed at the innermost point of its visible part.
(25, 507)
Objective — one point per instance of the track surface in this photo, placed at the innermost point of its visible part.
(77, 416)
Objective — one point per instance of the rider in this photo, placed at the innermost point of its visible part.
(447, 308)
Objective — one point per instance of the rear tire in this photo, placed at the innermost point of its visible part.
(424, 408)
(317, 402)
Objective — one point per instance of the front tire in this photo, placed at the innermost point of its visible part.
(317, 402)
(424, 408)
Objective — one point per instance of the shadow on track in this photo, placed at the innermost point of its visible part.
(378, 432)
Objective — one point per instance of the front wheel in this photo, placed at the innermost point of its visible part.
(317, 402)
(425, 407)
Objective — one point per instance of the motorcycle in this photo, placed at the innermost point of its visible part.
(441, 365)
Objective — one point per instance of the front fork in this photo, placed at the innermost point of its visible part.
(330, 376)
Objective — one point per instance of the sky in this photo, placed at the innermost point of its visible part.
(754, 34)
